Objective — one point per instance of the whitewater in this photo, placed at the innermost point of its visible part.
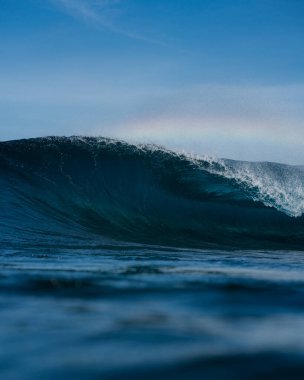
(135, 260)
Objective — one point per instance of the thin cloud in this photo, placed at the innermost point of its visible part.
(90, 12)
(101, 14)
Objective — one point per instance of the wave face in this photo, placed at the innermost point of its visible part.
(97, 189)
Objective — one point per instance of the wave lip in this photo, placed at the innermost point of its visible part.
(97, 189)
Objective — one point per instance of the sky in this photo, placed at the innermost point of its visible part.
(219, 77)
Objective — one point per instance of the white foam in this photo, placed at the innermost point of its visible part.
(276, 185)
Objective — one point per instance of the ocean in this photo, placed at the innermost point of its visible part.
(123, 261)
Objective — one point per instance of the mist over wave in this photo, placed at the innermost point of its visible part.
(98, 189)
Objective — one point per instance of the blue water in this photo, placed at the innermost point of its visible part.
(122, 261)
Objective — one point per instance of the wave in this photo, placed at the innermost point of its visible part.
(96, 189)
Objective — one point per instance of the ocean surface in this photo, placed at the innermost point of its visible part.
(123, 261)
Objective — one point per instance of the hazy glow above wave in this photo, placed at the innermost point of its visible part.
(229, 82)
(250, 123)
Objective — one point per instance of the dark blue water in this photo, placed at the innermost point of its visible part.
(121, 261)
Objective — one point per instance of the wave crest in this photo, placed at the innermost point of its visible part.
(102, 188)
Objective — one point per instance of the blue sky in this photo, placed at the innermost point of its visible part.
(222, 77)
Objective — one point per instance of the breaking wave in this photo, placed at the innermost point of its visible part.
(96, 189)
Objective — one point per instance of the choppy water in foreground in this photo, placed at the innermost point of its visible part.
(91, 288)
(142, 312)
